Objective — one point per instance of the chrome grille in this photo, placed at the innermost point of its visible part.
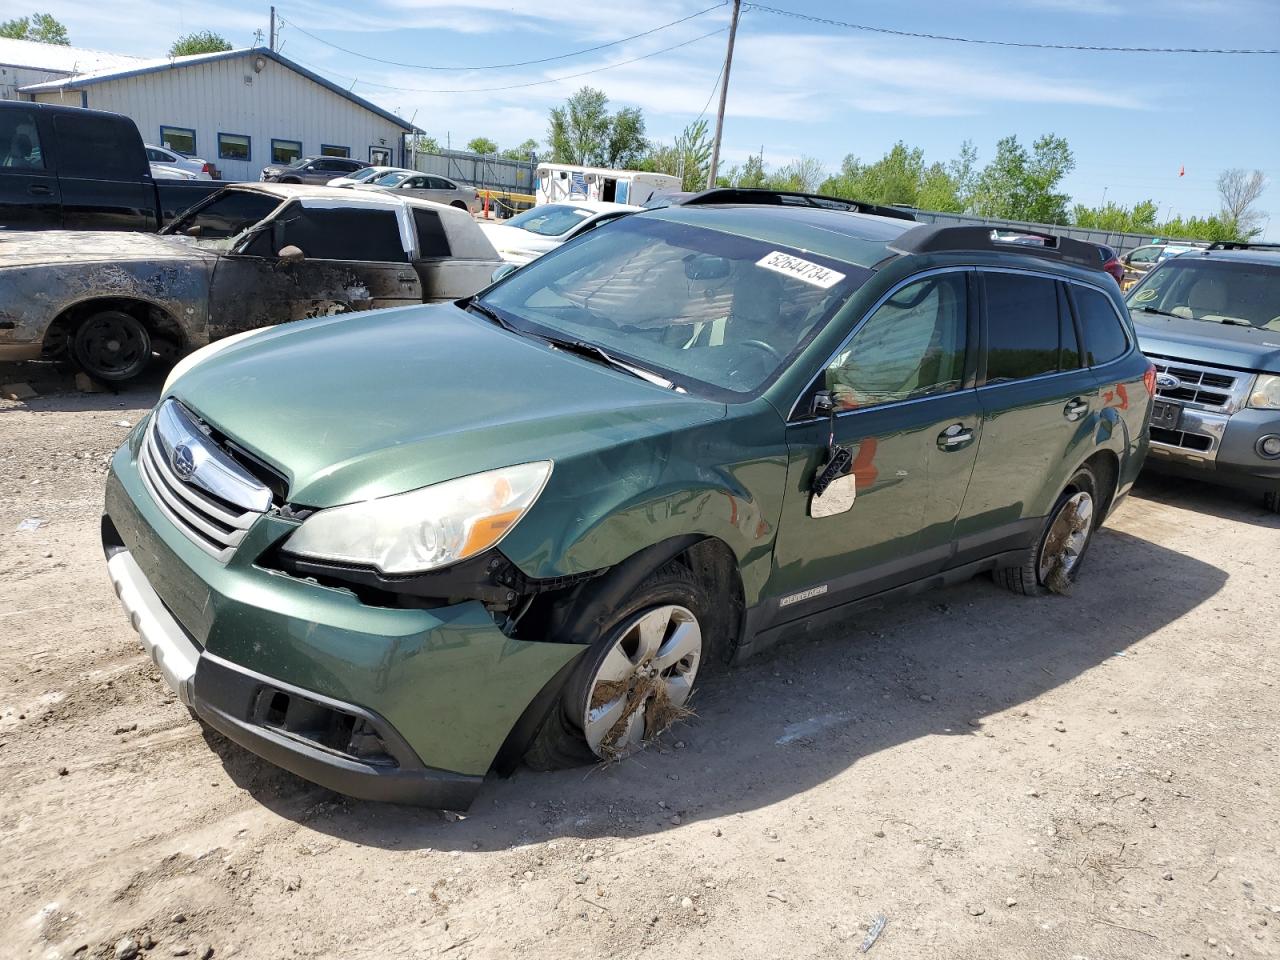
(1205, 387)
(213, 524)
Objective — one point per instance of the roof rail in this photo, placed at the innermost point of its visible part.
(933, 238)
(1241, 245)
(793, 198)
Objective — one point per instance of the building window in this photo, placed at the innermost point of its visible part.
(329, 150)
(380, 156)
(233, 146)
(179, 139)
(285, 151)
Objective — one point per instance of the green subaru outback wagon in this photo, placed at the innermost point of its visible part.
(395, 551)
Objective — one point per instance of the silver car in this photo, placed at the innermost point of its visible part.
(318, 170)
(427, 186)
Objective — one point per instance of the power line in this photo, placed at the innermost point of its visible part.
(714, 88)
(520, 63)
(998, 43)
(532, 83)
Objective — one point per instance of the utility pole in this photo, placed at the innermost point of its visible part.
(272, 47)
(724, 91)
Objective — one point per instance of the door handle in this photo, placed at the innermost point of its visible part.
(954, 437)
(1075, 408)
(39, 190)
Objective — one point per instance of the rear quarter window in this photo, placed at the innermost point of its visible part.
(432, 240)
(1103, 330)
(97, 148)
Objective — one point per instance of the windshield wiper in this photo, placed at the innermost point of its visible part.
(584, 349)
(1233, 322)
(1161, 313)
(475, 306)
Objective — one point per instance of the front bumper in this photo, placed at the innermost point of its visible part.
(20, 351)
(303, 674)
(1228, 453)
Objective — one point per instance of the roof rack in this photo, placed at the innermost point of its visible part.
(792, 198)
(932, 238)
(1241, 245)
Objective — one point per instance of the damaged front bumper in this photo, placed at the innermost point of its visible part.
(401, 705)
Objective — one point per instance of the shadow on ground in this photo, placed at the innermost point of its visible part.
(1208, 498)
(57, 380)
(774, 728)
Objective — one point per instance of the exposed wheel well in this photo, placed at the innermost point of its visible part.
(1106, 467)
(159, 323)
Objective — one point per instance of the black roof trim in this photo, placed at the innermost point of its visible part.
(792, 198)
(1241, 245)
(933, 238)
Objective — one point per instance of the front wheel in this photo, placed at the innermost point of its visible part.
(1053, 562)
(112, 346)
(1271, 501)
(637, 678)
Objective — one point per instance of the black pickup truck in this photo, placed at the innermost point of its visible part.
(77, 169)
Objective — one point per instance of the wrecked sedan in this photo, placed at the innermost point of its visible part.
(249, 256)
(527, 523)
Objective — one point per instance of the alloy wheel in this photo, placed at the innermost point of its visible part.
(1067, 537)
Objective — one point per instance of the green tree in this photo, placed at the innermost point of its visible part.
(482, 145)
(523, 152)
(689, 157)
(202, 41)
(1020, 185)
(804, 175)
(422, 143)
(751, 174)
(1140, 218)
(899, 177)
(1239, 191)
(583, 131)
(40, 27)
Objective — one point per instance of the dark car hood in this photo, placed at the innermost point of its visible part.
(371, 404)
(1216, 344)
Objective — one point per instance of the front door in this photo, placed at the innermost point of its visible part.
(28, 188)
(1039, 409)
(354, 257)
(905, 410)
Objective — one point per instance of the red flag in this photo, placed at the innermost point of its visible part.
(1182, 171)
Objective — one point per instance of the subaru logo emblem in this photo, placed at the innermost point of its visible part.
(184, 462)
(1167, 381)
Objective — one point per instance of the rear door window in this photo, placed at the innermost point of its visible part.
(96, 148)
(357, 234)
(1023, 326)
(1104, 334)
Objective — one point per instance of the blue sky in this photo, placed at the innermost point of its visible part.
(797, 88)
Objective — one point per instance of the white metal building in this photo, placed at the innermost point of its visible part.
(24, 62)
(239, 110)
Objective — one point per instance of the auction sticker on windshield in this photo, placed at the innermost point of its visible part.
(811, 273)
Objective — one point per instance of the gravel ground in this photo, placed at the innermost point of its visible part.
(1082, 777)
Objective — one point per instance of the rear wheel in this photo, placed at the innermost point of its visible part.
(1271, 501)
(1053, 562)
(459, 204)
(637, 678)
(112, 345)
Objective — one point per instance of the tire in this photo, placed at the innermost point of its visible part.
(112, 346)
(1271, 501)
(1038, 574)
(459, 204)
(625, 705)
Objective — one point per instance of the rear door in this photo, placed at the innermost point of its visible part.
(103, 174)
(356, 256)
(1040, 406)
(29, 198)
(907, 411)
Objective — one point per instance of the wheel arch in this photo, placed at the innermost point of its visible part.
(159, 320)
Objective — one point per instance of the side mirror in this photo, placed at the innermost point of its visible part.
(823, 405)
(503, 271)
(291, 254)
(194, 231)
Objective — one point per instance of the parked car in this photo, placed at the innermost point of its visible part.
(534, 232)
(78, 169)
(318, 170)
(166, 157)
(1110, 262)
(1211, 322)
(363, 175)
(426, 187)
(161, 172)
(250, 256)
(395, 552)
(1138, 261)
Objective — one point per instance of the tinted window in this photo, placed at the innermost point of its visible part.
(1104, 335)
(19, 141)
(1022, 326)
(96, 148)
(1069, 357)
(341, 234)
(432, 241)
(912, 346)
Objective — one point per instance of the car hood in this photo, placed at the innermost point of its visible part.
(1202, 341)
(367, 405)
(40, 247)
(514, 240)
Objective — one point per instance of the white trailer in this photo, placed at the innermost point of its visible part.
(565, 181)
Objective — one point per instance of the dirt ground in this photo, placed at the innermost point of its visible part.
(1083, 777)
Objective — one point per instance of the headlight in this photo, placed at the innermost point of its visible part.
(1266, 392)
(427, 528)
